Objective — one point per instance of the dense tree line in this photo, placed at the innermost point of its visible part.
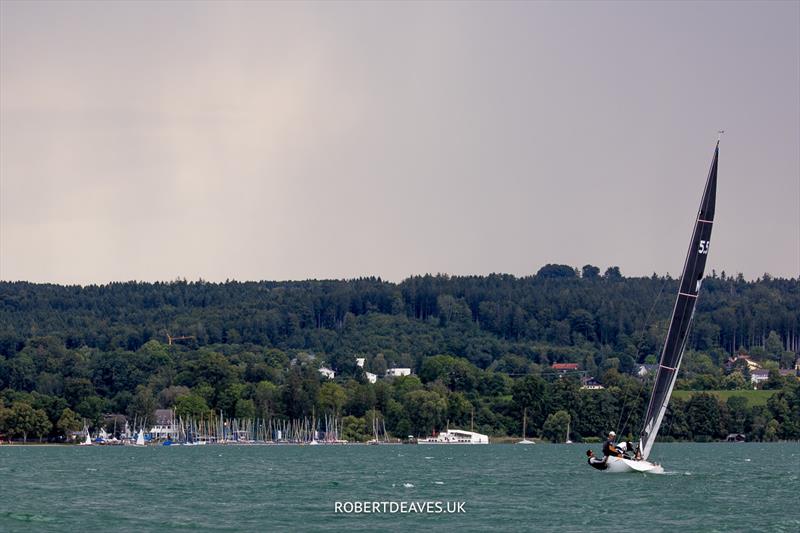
(558, 306)
(481, 348)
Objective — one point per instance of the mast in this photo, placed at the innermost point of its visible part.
(524, 423)
(682, 313)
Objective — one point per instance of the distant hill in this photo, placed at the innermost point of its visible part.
(481, 349)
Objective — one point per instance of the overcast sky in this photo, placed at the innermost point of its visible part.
(261, 140)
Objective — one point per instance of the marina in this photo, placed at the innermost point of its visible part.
(172, 430)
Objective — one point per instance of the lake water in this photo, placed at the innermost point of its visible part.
(708, 487)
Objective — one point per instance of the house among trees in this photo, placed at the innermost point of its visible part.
(165, 424)
(751, 365)
(759, 376)
(397, 372)
(590, 383)
(360, 362)
(327, 372)
(372, 378)
(564, 367)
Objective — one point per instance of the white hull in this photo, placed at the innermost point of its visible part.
(456, 436)
(453, 442)
(618, 465)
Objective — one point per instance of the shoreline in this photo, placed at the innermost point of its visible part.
(504, 441)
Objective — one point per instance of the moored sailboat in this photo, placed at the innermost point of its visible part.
(525, 428)
(675, 342)
(87, 440)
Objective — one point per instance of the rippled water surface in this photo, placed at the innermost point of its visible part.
(708, 487)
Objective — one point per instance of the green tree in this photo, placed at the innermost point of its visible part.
(169, 396)
(530, 393)
(354, 429)
(41, 424)
(735, 381)
(332, 398)
(213, 368)
(772, 431)
(590, 272)
(555, 427)
(68, 422)
(143, 406)
(455, 373)
(774, 346)
(739, 413)
(245, 409)
(300, 391)
(378, 365)
(704, 416)
(227, 398)
(426, 411)
(397, 421)
(25, 420)
(459, 409)
(784, 406)
(92, 409)
(788, 359)
(551, 271)
(191, 406)
(267, 399)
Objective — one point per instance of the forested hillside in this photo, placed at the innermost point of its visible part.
(477, 344)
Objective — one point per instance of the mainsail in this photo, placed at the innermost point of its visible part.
(682, 313)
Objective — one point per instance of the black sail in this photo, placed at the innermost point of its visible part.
(682, 313)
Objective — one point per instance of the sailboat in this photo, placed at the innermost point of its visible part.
(566, 439)
(675, 343)
(140, 438)
(88, 440)
(524, 428)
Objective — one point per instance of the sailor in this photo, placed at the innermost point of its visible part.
(610, 447)
(594, 462)
(628, 450)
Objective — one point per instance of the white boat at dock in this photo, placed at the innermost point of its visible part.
(456, 436)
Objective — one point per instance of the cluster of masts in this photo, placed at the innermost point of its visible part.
(194, 431)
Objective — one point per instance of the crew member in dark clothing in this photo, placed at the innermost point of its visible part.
(610, 447)
(594, 462)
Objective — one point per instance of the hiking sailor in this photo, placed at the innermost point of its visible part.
(596, 462)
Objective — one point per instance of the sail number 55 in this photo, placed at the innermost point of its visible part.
(704, 247)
